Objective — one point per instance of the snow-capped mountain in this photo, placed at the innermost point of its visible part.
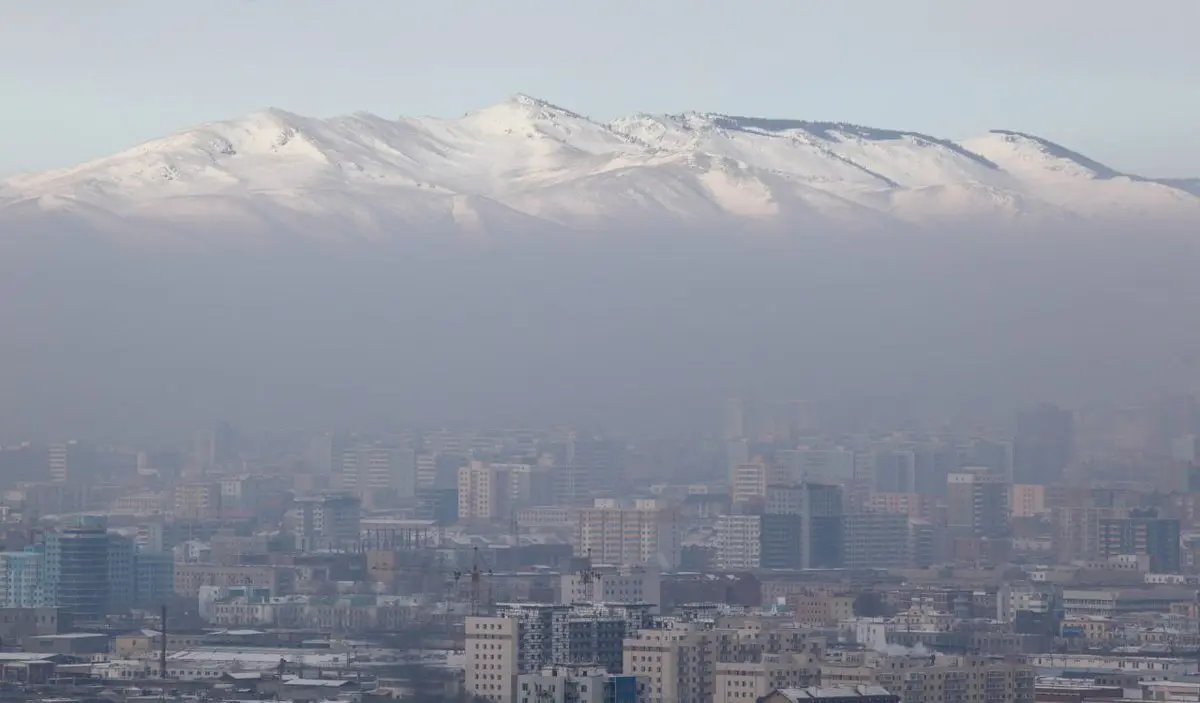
(527, 165)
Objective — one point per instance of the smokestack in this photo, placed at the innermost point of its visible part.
(162, 652)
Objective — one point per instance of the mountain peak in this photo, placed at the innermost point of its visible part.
(527, 106)
(526, 159)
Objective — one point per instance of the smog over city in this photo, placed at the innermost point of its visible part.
(673, 352)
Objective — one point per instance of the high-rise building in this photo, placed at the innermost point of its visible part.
(894, 471)
(437, 504)
(784, 499)
(876, 540)
(523, 638)
(824, 527)
(329, 521)
(738, 542)
(380, 474)
(213, 448)
(484, 492)
(622, 535)
(1027, 500)
(77, 567)
(977, 503)
(735, 419)
(781, 538)
(1143, 532)
(1044, 445)
(1077, 530)
(72, 462)
(21, 578)
(324, 454)
(802, 527)
(153, 579)
(748, 482)
(197, 501)
(932, 463)
(122, 573)
(427, 471)
(917, 506)
(993, 454)
(679, 663)
(529, 485)
(493, 658)
(601, 460)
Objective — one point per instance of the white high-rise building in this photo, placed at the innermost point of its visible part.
(749, 481)
(484, 492)
(366, 470)
(611, 535)
(427, 470)
(71, 461)
(22, 577)
(493, 656)
(738, 542)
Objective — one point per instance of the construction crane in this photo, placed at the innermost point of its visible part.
(476, 575)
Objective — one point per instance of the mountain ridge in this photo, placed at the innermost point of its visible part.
(528, 163)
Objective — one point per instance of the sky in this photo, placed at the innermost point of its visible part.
(1113, 79)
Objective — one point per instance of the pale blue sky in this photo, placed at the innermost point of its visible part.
(1116, 79)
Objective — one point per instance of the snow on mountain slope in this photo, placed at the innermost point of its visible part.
(1191, 185)
(527, 165)
(1078, 184)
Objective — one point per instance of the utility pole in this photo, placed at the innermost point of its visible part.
(162, 652)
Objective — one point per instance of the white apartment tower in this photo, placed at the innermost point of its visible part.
(738, 542)
(748, 481)
(626, 536)
(484, 492)
(379, 468)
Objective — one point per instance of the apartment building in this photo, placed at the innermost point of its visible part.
(379, 473)
(484, 492)
(748, 481)
(625, 535)
(197, 501)
(331, 521)
(524, 638)
(492, 656)
(190, 577)
(579, 685)
(741, 682)
(936, 678)
(678, 663)
(739, 542)
(612, 584)
(1027, 500)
